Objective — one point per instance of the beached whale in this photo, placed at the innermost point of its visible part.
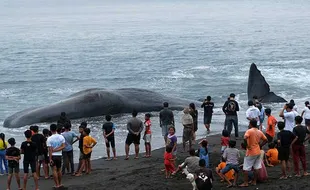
(96, 102)
(257, 86)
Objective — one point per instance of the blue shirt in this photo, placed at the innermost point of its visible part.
(69, 136)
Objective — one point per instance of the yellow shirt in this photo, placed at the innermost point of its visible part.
(88, 141)
(2, 145)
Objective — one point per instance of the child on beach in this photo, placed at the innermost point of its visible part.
(229, 175)
(108, 134)
(172, 141)
(272, 155)
(271, 126)
(29, 149)
(203, 151)
(88, 145)
(232, 156)
(169, 162)
(13, 157)
(285, 138)
(203, 177)
(224, 140)
(147, 135)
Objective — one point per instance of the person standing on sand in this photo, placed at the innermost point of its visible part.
(55, 144)
(13, 157)
(135, 127)
(261, 109)
(252, 113)
(230, 108)
(188, 130)
(271, 126)
(147, 137)
(194, 113)
(108, 129)
(253, 137)
(166, 120)
(298, 148)
(306, 114)
(289, 117)
(3, 147)
(208, 106)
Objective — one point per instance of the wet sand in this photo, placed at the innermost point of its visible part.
(146, 174)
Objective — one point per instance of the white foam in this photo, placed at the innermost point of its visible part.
(179, 74)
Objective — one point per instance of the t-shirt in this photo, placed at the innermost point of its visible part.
(285, 137)
(273, 155)
(88, 140)
(253, 136)
(81, 142)
(225, 141)
(39, 139)
(148, 125)
(167, 157)
(69, 136)
(301, 132)
(231, 155)
(306, 112)
(208, 108)
(289, 120)
(271, 126)
(172, 140)
(253, 113)
(192, 163)
(55, 141)
(29, 149)
(230, 107)
(187, 119)
(15, 152)
(229, 174)
(135, 125)
(204, 179)
(166, 117)
(108, 127)
(2, 147)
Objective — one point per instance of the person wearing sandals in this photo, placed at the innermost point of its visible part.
(134, 127)
(253, 137)
(13, 157)
(108, 134)
(298, 148)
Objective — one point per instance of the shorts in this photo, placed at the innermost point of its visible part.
(111, 140)
(284, 153)
(46, 158)
(14, 169)
(169, 168)
(252, 162)
(87, 156)
(32, 165)
(269, 138)
(131, 138)
(57, 161)
(81, 157)
(207, 119)
(187, 134)
(229, 167)
(147, 138)
(165, 129)
(40, 158)
(307, 122)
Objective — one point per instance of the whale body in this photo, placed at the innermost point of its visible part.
(257, 86)
(96, 102)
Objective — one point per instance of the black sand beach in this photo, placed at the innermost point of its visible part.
(146, 174)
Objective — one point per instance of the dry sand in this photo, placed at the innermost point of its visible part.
(146, 174)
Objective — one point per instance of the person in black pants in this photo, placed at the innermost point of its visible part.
(230, 108)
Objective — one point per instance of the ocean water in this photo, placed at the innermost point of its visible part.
(188, 49)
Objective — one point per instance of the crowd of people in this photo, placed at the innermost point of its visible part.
(53, 149)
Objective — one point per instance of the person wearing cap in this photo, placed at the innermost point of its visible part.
(188, 130)
(230, 108)
(306, 114)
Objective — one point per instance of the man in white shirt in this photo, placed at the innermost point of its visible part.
(55, 144)
(306, 114)
(252, 113)
(288, 116)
